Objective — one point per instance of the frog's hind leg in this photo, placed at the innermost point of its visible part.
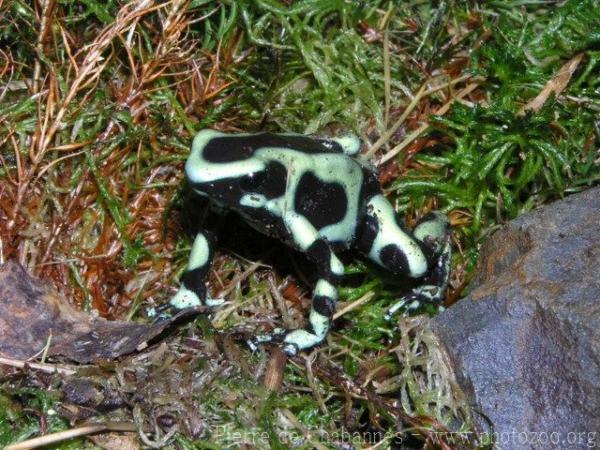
(325, 293)
(433, 232)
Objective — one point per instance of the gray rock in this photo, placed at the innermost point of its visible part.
(525, 342)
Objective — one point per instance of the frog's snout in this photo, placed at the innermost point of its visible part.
(433, 230)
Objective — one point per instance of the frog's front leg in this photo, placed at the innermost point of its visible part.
(325, 295)
(433, 232)
(433, 288)
(192, 291)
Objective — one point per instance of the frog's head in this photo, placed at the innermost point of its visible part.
(386, 241)
(398, 253)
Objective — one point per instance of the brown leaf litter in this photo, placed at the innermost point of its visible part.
(35, 319)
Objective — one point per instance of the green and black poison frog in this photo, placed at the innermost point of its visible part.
(311, 194)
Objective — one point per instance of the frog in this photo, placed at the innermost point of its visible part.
(317, 196)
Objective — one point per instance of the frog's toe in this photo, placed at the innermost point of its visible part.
(212, 302)
(393, 310)
(161, 313)
(290, 349)
(252, 344)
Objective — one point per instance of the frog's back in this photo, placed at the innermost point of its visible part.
(217, 147)
(265, 176)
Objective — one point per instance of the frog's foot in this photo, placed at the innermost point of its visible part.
(290, 341)
(426, 294)
(192, 292)
(183, 299)
(315, 332)
(160, 313)
(274, 337)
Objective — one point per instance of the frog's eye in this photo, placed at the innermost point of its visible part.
(433, 230)
(253, 181)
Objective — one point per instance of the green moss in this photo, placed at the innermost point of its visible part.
(20, 412)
